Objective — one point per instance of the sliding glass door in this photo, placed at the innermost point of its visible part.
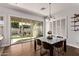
(25, 29)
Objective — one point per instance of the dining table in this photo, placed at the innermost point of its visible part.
(52, 42)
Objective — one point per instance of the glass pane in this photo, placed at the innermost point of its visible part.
(63, 27)
(58, 27)
(1, 28)
(54, 27)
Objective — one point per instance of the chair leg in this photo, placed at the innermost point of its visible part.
(40, 50)
(60, 51)
(42, 54)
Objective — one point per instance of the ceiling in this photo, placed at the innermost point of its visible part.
(36, 7)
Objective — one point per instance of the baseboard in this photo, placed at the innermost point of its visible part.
(72, 45)
(1, 51)
(5, 45)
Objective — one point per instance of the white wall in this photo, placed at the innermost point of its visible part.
(73, 37)
(10, 12)
(6, 13)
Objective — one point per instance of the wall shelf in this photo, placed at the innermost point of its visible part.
(76, 30)
(74, 25)
(75, 22)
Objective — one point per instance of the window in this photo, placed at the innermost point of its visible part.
(1, 27)
(25, 28)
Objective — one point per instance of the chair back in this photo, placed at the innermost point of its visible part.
(38, 41)
(59, 44)
(46, 45)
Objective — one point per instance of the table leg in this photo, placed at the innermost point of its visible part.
(65, 46)
(51, 51)
(35, 45)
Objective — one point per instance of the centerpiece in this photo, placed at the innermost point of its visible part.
(49, 35)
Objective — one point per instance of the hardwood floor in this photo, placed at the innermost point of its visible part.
(1, 50)
(27, 49)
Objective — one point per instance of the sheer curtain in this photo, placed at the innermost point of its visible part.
(47, 26)
(59, 27)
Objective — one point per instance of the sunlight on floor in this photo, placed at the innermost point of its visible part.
(18, 39)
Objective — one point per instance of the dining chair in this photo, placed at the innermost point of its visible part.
(46, 47)
(39, 45)
(59, 48)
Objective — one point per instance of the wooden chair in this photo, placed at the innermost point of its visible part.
(59, 48)
(39, 45)
(46, 46)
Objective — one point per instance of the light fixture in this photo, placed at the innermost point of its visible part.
(50, 16)
(50, 20)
